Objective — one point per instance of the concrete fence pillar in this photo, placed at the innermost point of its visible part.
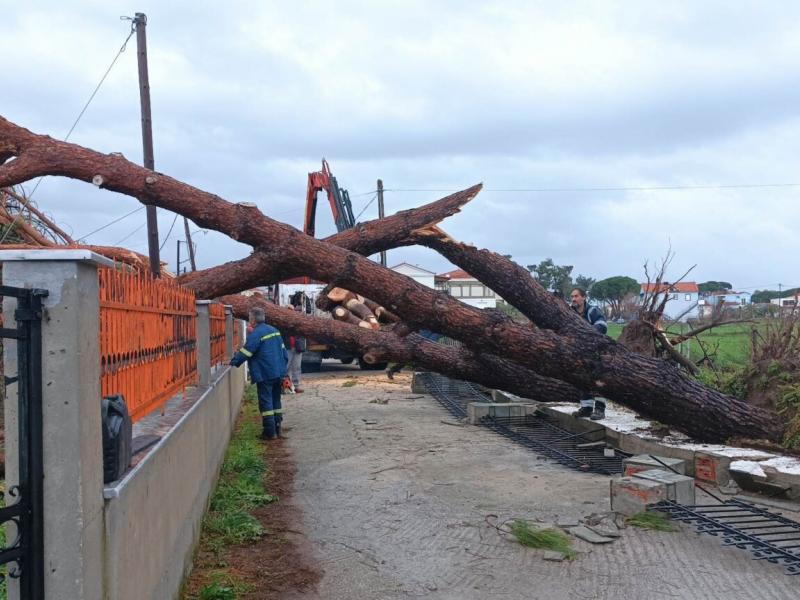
(203, 343)
(228, 332)
(73, 453)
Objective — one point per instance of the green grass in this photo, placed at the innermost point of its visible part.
(732, 342)
(544, 539)
(651, 520)
(239, 491)
(223, 587)
(350, 383)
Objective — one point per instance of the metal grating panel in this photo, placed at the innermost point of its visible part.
(769, 536)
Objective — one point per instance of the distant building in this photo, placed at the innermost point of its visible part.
(787, 301)
(418, 274)
(683, 302)
(729, 298)
(463, 286)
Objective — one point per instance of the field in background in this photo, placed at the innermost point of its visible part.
(731, 343)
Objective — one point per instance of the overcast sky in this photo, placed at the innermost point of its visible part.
(435, 95)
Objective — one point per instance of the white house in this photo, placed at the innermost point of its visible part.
(416, 273)
(463, 286)
(729, 298)
(787, 301)
(683, 299)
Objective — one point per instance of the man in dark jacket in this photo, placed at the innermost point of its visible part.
(590, 407)
(266, 358)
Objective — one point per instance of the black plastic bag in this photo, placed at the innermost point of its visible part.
(117, 438)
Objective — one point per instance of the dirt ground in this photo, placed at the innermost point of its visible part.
(393, 500)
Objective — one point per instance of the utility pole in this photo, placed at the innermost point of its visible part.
(178, 259)
(189, 244)
(381, 215)
(147, 138)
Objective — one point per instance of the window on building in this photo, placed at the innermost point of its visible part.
(455, 291)
(688, 298)
(476, 291)
(674, 296)
(488, 293)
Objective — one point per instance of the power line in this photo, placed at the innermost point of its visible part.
(611, 189)
(110, 223)
(75, 124)
(366, 207)
(169, 233)
(131, 233)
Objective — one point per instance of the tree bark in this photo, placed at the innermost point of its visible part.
(580, 356)
(380, 346)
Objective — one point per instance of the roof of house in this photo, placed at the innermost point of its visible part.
(455, 274)
(415, 267)
(684, 287)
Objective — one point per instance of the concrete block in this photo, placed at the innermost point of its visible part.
(680, 488)
(478, 410)
(647, 462)
(712, 468)
(417, 383)
(632, 495)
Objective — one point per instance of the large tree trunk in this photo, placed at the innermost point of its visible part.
(576, 355)
(383, 346)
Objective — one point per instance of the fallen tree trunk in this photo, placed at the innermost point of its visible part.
(582, 358)
(379, 346)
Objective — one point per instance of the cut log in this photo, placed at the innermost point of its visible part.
(579, 356)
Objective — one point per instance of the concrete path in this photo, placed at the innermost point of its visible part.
(395, 503)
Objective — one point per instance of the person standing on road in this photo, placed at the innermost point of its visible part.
(295, 346)
(590, 407)
(267, 359)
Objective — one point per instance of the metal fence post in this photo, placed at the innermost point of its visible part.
(228, 332)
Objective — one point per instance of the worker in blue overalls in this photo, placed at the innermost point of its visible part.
(266, 357)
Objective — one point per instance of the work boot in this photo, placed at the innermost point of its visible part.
(298, 390)
(390, 373)
(583, 412)
(599, 412)
(266, 437)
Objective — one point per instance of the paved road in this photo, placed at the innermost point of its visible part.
(395, 502)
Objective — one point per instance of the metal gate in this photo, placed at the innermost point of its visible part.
(23, 555)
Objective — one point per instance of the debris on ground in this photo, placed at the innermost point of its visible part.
(350, 383)
(379, 401)
(542, 536)
(587, 535)
(452, 422)
(652, 521)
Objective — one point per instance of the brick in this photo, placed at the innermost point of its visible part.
(632, 495)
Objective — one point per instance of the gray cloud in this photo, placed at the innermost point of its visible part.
(246, 100)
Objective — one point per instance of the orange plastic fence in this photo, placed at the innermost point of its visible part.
(148, 339)
(238, 334)
(216, 326)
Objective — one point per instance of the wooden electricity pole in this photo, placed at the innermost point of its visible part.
(381, 215)
(147, 138)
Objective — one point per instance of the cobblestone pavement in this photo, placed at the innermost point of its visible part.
(395, 502)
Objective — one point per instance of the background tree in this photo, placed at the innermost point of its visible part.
(762, 296)
(714, 286)
(553, 277)
(585, 282)
(613, 291)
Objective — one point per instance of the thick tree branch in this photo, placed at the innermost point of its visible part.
(486, 369)
(365, 238)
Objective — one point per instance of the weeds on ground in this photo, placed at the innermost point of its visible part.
(651, 520)
(239, 491)
(350, 383)
(545, 539)
(223, 587)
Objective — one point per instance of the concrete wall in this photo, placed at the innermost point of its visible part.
(135, 539)
(153, 516)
